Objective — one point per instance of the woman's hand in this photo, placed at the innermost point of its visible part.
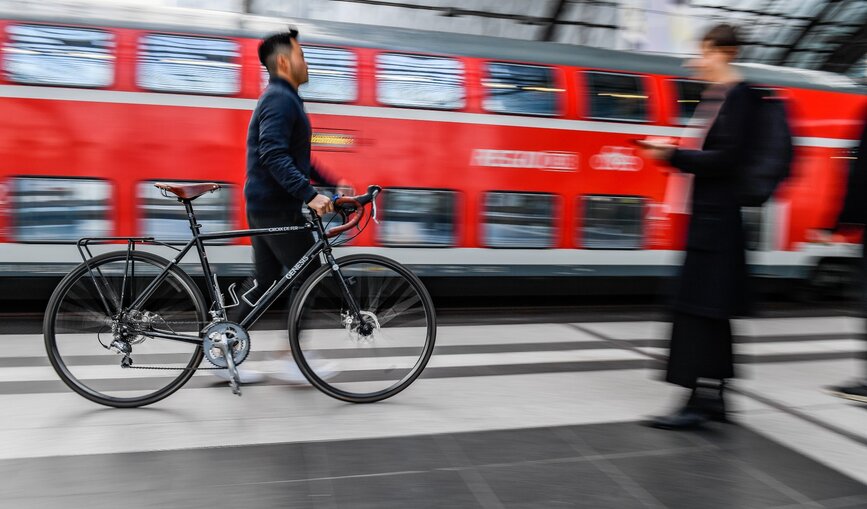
(659, 149)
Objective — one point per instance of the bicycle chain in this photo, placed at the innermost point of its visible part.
(163, 368)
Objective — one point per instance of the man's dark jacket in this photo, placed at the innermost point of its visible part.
(278, 153)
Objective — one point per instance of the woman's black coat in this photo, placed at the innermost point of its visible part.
(713, 280)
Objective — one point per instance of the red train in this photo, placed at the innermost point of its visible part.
(500, 157)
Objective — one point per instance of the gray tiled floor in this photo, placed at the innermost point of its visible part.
(618, 465)
(526, 430)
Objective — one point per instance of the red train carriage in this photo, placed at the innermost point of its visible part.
(500, 157)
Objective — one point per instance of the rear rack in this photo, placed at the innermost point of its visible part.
(84, 244)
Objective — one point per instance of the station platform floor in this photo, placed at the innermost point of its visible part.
(506, 415)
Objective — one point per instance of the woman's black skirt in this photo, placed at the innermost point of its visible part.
(701, 347)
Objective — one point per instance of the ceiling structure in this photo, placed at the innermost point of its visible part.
(829, 35)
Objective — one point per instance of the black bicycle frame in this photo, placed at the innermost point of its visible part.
(321, 246)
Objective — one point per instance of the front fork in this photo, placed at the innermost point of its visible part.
(354, 310)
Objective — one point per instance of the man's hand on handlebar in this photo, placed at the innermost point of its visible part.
(321, 204)
(352, 209)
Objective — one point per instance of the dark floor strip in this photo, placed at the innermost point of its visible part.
(780, 338)
(601, 343)
(138, 384)
(108, 359)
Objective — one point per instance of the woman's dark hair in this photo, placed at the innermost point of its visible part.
(723, 36)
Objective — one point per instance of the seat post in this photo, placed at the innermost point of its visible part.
(195, 228)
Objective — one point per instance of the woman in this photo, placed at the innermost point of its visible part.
(712, 284)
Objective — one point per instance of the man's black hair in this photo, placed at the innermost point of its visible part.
(272, 45)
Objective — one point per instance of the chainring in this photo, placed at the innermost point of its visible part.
(225, 331)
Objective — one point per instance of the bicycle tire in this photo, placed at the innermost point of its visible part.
(57, 300)
(304, 295)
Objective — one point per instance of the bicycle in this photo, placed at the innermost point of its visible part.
(361, 327)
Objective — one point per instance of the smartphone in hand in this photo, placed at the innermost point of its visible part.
(643, 143)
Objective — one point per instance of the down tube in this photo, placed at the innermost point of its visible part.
(285, 282)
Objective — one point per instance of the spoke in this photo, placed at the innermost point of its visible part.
(363, 367)
(398, 310)
(80, 320)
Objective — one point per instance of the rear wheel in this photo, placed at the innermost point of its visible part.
(368, 360)
(86, 325)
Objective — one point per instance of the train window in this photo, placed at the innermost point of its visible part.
(616, 96)
(612, 222)
(688, 96)
(418, 217)
(521, 89)
(518, 220)
(332, 75)
(417, 81)
(59, 209)
(192, 65)
(166, 219)
(51, 55)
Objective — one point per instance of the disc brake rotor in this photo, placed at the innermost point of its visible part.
(361, 332)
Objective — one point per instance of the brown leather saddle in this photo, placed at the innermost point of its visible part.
(188, 191)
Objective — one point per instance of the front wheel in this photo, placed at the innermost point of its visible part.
(367, 360)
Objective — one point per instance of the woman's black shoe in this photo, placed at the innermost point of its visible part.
(709, 399)
(685, 418)
(713, 408)
(705, 403)
(720, 417)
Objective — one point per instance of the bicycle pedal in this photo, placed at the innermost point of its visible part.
(236, 387)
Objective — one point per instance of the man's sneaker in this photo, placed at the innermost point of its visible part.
(247, 376)
(284, 370)
(325, 369)
(854, 392)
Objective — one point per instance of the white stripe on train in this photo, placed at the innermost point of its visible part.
(234, 103)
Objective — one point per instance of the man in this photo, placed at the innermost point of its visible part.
(279, 169)
(278, 147)
(853, 214)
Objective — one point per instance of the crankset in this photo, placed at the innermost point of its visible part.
(226, 345)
